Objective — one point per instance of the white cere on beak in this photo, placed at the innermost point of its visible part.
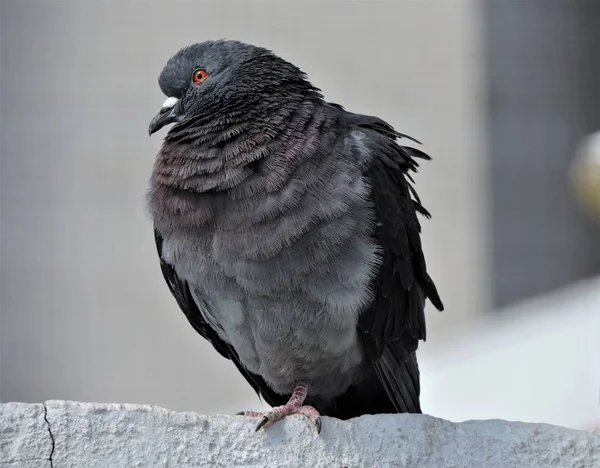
(170, 103)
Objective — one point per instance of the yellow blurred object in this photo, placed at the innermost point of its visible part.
(585, 175)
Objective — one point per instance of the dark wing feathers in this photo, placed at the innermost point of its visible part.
(182, 294)
(392, 327)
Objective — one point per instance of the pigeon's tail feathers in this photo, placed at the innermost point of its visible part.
(401, 380)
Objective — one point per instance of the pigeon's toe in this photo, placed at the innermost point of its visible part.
(251, 414)
(312, 414)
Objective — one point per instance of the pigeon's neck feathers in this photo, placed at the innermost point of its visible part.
(244, 155)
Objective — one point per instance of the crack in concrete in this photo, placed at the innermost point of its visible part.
(51, 436)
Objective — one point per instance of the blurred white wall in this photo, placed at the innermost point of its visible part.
(536, 361)
(86, 315)
(0, 215)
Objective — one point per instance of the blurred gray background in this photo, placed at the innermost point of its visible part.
(500, 92)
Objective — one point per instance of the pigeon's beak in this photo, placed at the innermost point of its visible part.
(169, 113)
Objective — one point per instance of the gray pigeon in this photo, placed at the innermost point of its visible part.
(287, 232)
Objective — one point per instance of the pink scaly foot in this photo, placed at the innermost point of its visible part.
(293, 406)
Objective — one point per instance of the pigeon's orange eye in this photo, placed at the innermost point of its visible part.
(199, 75)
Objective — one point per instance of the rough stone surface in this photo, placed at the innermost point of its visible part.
(24, 437)
(90, 435)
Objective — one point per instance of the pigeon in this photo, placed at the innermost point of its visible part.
(286, 229)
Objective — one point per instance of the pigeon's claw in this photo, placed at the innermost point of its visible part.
(261, 423)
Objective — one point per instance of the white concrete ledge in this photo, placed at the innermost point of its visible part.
(87, 435)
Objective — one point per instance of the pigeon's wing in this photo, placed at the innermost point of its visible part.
(394, 323)
(182, 294)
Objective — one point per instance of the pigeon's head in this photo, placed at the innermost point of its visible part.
(224, 79)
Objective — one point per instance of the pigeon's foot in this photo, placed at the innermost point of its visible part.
(281, 411)
(293, 406)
